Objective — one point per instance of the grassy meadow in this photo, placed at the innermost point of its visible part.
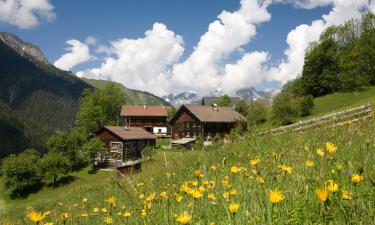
(285, 179)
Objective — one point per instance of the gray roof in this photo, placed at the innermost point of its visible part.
(215, 114)
(129, 133)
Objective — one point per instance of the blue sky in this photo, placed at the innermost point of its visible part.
(129, 19)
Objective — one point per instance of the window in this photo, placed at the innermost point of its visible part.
(159, 130)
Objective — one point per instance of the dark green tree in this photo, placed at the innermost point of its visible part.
(257, 112)
(224, 101)
(53, 165)
(93, 148)
(21, 173)
(284, 109)
(100, 107)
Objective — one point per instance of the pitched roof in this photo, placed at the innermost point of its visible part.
(214, 114)
(140, 110)
(129, 133)
(210, 100)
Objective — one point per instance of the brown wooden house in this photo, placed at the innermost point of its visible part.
(125, 145)
(151, 118)
(192, 121)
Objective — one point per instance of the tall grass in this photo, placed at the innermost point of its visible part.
(154, 195)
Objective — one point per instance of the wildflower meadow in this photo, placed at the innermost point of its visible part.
(324, 176)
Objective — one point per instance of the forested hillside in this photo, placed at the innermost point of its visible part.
(133, 97)
(40, 99)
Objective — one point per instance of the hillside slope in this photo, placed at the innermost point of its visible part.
(133, 97)
(38, 92)
(204, 183)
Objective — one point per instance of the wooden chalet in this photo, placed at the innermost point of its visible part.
(192, 121)
(125, 145)
(151, 118)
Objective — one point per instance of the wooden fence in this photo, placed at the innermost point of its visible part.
(330, 120)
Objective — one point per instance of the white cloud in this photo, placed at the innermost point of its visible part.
(77, 53)
(225, 35)
(299, 38)
(140, 63)
(25, 13)
(152, 63)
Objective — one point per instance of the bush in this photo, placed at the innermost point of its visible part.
(93, 148)
(22, 173)
(198, 144)
(284, 109)
(257, 112)
(54, 165)
(306, 104)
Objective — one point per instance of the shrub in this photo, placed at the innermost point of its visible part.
(54, 165)
(257, 112)
(22, 173)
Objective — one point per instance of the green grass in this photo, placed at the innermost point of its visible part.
(81, 179)
(170, 169)
(341, 101)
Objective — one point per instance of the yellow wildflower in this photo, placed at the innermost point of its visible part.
(309, 163)
(111, 201)
(143, 212)
(226, 195)
(331, 148)
(164, 195)
(320, 152)
(260, 180)
(108, 220)
(104, 210)
(213, 167)
(306, 148)
(356, 178)
(211, 197)
(275, 196)
(127, 214)
(36, 217)
(95, 210)
(346, 195)
(198, 173)
(233, 207)
(322, 194)
(196, 194)
(254, 162)
(178, 197)
(332, 186)
(235, 169)
(184, 218)
(233, 192)
(286, 169)
(64, 216)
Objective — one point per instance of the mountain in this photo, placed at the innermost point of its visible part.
(133, 97)
(191, 97)
(182, 98)
(41, 98)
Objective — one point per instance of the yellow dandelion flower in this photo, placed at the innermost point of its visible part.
(104, 210)
(320, 152)
(108, 220)
(254, 172)
(275, 196)
(111, 201)
(356, 178)
(184, 218)
(233, 192)
(322, 194)
(339, 167)
(235, 169)
(309, 163)
(178, 197)
(36, 217)
(127, 214)
(332, 186)
(331, 148)
(49, 223)
(306, 148)
(151, 197)
(95, 210)
(233, 207)
(198, 173)
(196, 194)
(164, 195)
(211, 197)
(260, 180)
(143, 213)
(141, 184)
(286, 169)
(84, 200)
(254, 162)
(346, 195)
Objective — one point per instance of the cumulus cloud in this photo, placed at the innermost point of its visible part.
(90, 40)
(25, 13)
(78, 52)
(140, 63)
(299, 38)
(152, 63)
